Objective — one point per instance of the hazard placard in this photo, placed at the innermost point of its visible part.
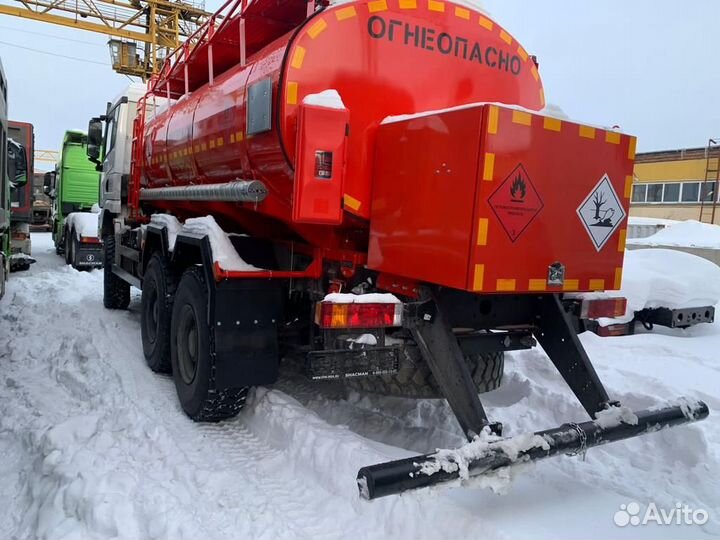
(601, 212)
(516, 202)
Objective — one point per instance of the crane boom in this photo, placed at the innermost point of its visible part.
(142, 32)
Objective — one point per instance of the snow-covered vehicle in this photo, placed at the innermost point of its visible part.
(279, 193)
(74, 188)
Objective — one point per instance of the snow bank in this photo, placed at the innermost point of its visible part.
(636, 220)
(84, 224)
(327, 98)
(371, 298)
(223, 251)
(171, 223)
(689, 233)
(95, 446)
(666, 278)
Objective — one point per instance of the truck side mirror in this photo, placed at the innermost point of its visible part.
(18, 158)
(49, 184)
(94, 139)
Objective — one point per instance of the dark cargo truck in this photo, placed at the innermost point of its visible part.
(21, 199)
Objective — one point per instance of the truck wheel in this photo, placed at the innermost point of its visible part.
(415, 380)
(59, 246)
(191, 359)
(68, 247)
(116, 292)
(158, 289)
(75, 243)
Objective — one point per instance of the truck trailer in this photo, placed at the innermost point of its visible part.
(373, 188)
(21, 200)
(74, 188)
(13, 176)
(5, 171)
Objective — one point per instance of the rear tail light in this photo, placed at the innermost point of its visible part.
(19, 236)
(89, 240)
(603, 307)
(323, 164)
(331, 315)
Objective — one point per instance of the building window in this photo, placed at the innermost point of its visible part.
(708, 189)
(654, 193)
(690, 192)
(671, 194)
(638, 194)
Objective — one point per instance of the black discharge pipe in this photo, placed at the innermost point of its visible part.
(395, 477)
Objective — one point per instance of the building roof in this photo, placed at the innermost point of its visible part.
(681, 154)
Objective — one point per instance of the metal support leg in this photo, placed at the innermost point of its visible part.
(556, 335)
(439, 348)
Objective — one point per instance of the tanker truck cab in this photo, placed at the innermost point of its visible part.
(297, 199)
(109, 146)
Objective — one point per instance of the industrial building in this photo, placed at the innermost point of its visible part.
(677, 184)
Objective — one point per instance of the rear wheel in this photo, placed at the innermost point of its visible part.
(68, 247)
(414, 378)
(75, 243)
(191, 358)
(116, 292)
(158, 290)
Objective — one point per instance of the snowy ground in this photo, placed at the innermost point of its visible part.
(94, 445)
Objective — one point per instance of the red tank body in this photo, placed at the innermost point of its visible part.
(384, 57)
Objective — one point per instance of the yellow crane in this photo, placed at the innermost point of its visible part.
(142, 32)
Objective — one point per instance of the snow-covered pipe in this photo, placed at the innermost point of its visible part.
(239, 191)
(479, 457)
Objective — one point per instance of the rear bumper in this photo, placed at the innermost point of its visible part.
(88, 256)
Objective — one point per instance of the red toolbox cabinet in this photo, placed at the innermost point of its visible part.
(489, 198)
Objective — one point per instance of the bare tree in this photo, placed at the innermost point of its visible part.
(598, 201)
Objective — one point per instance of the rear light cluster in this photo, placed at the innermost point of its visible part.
(19, 235)
(89, 240)
(623, 329)
(603, 307)
(332, 315)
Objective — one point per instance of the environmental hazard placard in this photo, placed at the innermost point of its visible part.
(601, 212)
(516, 202)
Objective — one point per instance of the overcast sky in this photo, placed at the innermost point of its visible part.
(650, 66)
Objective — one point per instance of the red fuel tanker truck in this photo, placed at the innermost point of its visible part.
(372, 187)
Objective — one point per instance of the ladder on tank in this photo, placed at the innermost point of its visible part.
(709, 189)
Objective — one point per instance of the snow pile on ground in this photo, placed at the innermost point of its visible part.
(95, 446)
(223, 251)
(171, 223)
(83, 223)
(636, 220)
(327, 98)
(689, 233)
(665, 278)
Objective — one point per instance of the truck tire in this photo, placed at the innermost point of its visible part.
(415, 380)
(116, 292)
(75, 243)
(191, 358)
(158, 290)
(68, 247)
(59, 246)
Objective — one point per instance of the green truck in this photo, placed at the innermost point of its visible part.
(74, 187)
